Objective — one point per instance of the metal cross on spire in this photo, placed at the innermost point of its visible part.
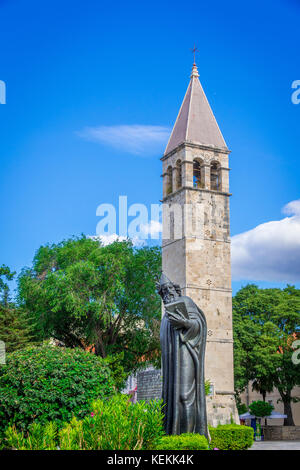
(194, 50)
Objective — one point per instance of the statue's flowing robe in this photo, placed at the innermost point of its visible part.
(182, 349)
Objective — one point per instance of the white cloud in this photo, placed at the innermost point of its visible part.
(152, 228)
(108, 239)
(292, 208)
(136, 139)
(270, 251)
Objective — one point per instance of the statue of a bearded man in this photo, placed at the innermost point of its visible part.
(183, 338)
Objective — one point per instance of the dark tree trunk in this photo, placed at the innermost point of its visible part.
(99, 349)
(99, 344)
(264, 393)
(289, 421)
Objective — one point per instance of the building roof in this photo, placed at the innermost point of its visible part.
(195, 122)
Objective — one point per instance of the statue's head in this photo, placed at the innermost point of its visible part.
(168, 291)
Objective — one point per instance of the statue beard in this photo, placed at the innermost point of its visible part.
(168, 298)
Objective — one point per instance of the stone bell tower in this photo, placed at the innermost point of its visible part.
(196, 237)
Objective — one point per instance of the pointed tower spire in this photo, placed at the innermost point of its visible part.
(196, 122)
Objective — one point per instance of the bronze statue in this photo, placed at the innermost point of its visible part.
(183, 337)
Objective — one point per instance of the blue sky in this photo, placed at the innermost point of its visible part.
(72, 65)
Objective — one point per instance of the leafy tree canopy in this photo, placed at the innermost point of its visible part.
(103, 297)
(265, 323)
(260, 409)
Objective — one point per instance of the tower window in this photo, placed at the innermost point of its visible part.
(169, 185)
(197, 181)
(215, 176)
(178, 174)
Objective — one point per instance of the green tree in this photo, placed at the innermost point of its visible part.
(15, 328)
(15, 325)
(5, 275)
(88, 295)
(260, 409)
(265, 322)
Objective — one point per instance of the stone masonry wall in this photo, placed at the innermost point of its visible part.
(281, 433)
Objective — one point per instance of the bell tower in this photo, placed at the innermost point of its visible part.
(196, 236)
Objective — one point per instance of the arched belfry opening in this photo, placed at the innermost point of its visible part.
(215, 176)
(169, 182)
(178, 175)
(197, 174)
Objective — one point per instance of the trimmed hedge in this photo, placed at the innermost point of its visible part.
(183, 442)
(48, 383)
(231, 437)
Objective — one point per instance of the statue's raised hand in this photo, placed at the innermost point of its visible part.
(177, 319)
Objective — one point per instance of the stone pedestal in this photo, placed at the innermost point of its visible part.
(221, 409)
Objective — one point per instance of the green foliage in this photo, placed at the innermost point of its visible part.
(260, 409)
(15, 328)
(183, 442)
(117, 424)
(231, 437)
(15, 325)
(39, 437)
(242, 408)
(207, 386)
(47, 383)
(265, 322)
(84, 294)
(118, 374)
(114, 424)
(5, 275)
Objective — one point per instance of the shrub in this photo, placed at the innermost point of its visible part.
(114, 424)
(48, 383)
(39, 437)
(242, 408)
(183, 442)
(231, 437)
(261, 408)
